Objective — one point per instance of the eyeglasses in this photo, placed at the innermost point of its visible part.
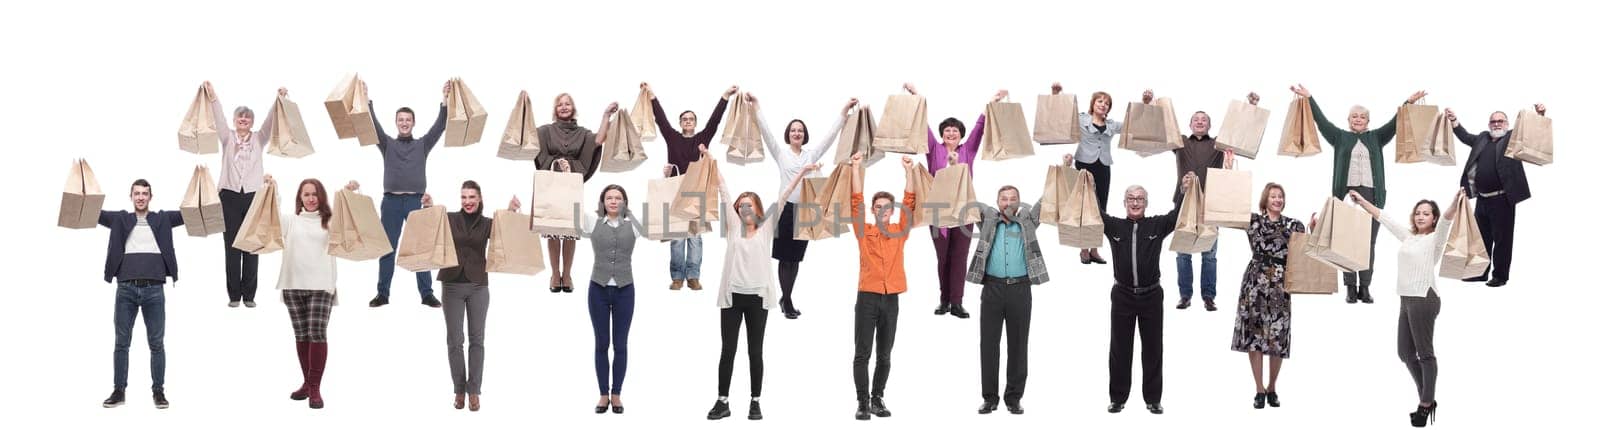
(1136, 199)
(1497, 121)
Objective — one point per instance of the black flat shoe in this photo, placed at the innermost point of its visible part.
(863, 412)
(616, 409)
(943, 308)
(1014, 408)
(959, 312)
(1211, 306)
(1096, 259)
(602, 408)
(755, 411)
(1272, 398)
(988, 408)
(1155, 408)
(878, 408)
(1114, 408)
(1476, 279)
(1084, 259)
(719, 411)
(1183, 303)
(378, 301)
(1496, 283)
(566, 289)
(1261, 401)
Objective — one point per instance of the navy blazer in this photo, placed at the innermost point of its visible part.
(121, 224)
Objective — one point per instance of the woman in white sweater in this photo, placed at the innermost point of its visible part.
(747, 287)
(307, 279)
(1421, 245)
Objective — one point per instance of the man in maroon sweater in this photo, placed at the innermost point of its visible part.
(684, 148)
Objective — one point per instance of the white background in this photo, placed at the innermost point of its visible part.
(111, 81)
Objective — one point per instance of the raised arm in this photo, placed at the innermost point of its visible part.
(814, 153)
(974, 138)
(1466, 137)
(772, 142)
(909, 200)
(435, 131)
(710, 128)
(270, 125)
(662, 123)
(605, 124)
(225, 131)
(1385, 134)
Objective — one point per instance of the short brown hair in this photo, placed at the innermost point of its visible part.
(1005, 188)
(883, 195)
(1097, 95)
(1267, 191)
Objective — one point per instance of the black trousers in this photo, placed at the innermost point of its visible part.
(746, 307)
(240, 265)
(1010, 306)
(1497, 220)
(876, 317)
(1127, 310)
(1363, 279)
(1102, 180)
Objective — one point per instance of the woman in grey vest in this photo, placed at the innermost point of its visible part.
(611, 236)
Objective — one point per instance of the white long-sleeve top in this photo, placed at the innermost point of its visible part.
(789, 163)
(747, 261)
(1417, 265)
(306, 263)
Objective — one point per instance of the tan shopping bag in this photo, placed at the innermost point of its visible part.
(557, 203)
(512, 247)
(1413, 127)
(1343, 237)
(1243, 128)
(464, 117)
(701, 179)
(1299, 137)
(1005, 135)
(659, 224)
(644, 117)
(1081, 225)
(1531, 140)
(1150, 129)
(289, 136)
(1058, 183)
(622, 151)
(1465, 254)
(426, 242)
(1055, 119)
(952, 198)
(825, 204)
(347, 107)
(1305, 275)
(201, 208)
(82, 199)
(1227, 198)
(355, 232)
(903, 127)
(521, 138)
(262, 231)
(742, 134)
(922, 185)
(856, 136)
(198, 131)
(1192, 235)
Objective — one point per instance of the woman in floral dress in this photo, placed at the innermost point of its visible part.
(1262, 325)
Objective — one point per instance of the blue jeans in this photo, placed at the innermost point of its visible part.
(395, 209)
(1208, 274)
(686, 258)
(611, 312)
(131, 299)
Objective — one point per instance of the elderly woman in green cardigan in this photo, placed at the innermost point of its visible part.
(1357, 166)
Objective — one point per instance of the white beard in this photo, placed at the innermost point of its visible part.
(1497, 133)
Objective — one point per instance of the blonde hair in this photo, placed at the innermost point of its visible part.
(555, 111)
(1360, 109)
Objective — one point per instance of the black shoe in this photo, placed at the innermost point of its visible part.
(988, 407)
(1366, 296)
(1272, 398)
(1424, 415)
(1211, 306)
(117, 399)
(249, 303)
(1496, 282)
(755, 411)
(1476, 279)
(959, 311)
(1155, 408)
(1114, 408)
(1096, 259)
(1014, 407)
(616, 409)
(431, 302)
(566, 289)
(719, 411)
(160, 399)
(1261, 401)
(1084, 259)
(1350, 294)
(600, 409)
(944, 308)
(791, 314)
(878, 408)
(378, 301)
(862, 411)
(1183, 303)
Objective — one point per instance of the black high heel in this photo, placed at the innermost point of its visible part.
(1425, 415)
(602, 408)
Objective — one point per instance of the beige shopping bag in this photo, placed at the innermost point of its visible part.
(1192, 235)
(1413, 127)
(355, 232)
(1058, 183)
(198, 131)
(622, 151)
(1227, 198)
(952, 198)
(1081, 225)
(741, 132)
(1055, 119)
(201, 208)
(521, 138)
(698, 196)
(1005, 135)
(1343, 237)
(644, 117)
(464, 117)
(903, 127)
(659, 224)
(1441, 143)
(1299, 137)
(262, 231)
(557, 203)
(856, 136)
(1243, 128)
(289, 136)
(82, 199)
(512, 247)
(825, 205)
(1305, 275)
(922, 185)
(347, 107)
(1150, 129)
(426, 242)
(1531, 140)
(1465, 254)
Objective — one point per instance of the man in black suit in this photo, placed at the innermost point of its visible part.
(1498, 182)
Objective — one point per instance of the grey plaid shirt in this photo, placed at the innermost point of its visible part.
(1028, 218)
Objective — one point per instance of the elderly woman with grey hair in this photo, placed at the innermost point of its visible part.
(237, 184)
(1358, 167)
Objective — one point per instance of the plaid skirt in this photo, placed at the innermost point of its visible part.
(309, 311)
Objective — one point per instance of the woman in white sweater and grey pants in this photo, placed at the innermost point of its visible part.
(1421, 245)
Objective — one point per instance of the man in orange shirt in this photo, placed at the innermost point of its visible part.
(883, 277)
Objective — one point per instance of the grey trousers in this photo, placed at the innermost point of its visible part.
(467, 303)
(1415, 343)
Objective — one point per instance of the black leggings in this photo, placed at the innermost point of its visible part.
(749, 308)
(787, 272)
(1102, 180)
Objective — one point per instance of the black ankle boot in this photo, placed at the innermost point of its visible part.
(863, 411)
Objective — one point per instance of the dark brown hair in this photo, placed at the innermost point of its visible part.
(755, 199)
(322, 201)
(620, 211)
(1432, 205)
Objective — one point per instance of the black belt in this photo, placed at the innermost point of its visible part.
(1140, 290)
(1269, 259)
(1004, 281)
(143, 282)
(419, 195)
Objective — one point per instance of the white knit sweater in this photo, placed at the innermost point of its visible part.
(306, 263)
(1418, 260)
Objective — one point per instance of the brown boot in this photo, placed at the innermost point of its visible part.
(677, 284)
(694, 284)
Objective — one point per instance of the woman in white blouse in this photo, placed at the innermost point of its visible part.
(307, 280)
(241, 151)
(747, 287)
(792, 159)
(1421, 245)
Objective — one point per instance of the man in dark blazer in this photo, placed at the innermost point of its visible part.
(139, 257)
(1498, 183)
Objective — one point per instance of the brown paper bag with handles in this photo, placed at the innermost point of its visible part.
(622, 151)
(1058, 183)
(1055, 119)
(701, 179)
(1243, 128)
(198, 131)
(856, 136)
(1465, 254)
(1440, 145)
(355, 232)
(1192, 235)
(741, 133)
(1531, 140)
(643, 117)
(953, 197)
(289, 136)
(1005, 135)
(1149, 129)
(1227, 202)
(903, 127)
(81, 200)
(1081, 225)
(262, 231)
(659, 224)
(347, 107)
(922, 185)
(825, 203)
(1413, 127)
(201, 208)
(1299, 138)
(426, 242)
(521, 138)
(512, 247)
(557, 198)
(464, 117)
(1342, 238)
(1305, 275)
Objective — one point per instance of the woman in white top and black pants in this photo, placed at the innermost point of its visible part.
(792, 157)
(1421, 245)
(307, 279)
(747, 287)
